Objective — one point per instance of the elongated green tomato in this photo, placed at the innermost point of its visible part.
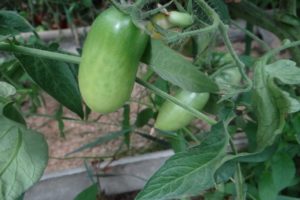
(180, 19)
(110, 58)
(172, 117)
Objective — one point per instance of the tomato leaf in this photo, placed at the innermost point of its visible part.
(6, 89)
(288, 19)
(143, 117)
(255, 157)
(225, 171)
(266, 187)
(12, 23)
(23, 158)
(90, 193)
(270, 102)
(282, 162)
(221, 8)
(173, 67)
(284, 70)
(56, 78)
(227, 167)
(164, 86)
(11, 112)
(177, 177)
(2, 38)
(293, 104)
(270, 107)
(281, 197)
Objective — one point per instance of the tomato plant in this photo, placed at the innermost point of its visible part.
(246, 94)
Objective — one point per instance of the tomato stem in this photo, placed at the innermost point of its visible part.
(224, 32)
(273, 52)
(40, 53)
(239, 184)
(191, 135)
(239, 180)
(210, 28)
(155, 11)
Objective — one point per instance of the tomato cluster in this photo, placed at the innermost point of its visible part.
(110, 58)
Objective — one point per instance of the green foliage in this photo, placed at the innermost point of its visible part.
(266, 187)
(271, 103)
(56, 78)
(143, 117)
(176, 178)
(6, 89)
(23, 156)
(175, 68)
(89, 193)
(12, 23)
(261, 101)
(221, 8)
(283, 171)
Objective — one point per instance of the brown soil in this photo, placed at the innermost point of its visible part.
(78, 132)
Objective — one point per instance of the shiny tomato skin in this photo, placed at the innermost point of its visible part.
(180, 19)
(172, 117)
(110, 59)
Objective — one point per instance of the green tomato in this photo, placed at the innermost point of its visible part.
(180, 19)
(172, 117)
(110, 58)
(230, 77)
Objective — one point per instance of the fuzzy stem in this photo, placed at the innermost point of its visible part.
(224, 32)
(39, 53)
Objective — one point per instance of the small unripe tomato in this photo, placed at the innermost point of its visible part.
(180, 19)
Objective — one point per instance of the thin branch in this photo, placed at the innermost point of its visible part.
(224, 32)
(273, 52)
(39, 53)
